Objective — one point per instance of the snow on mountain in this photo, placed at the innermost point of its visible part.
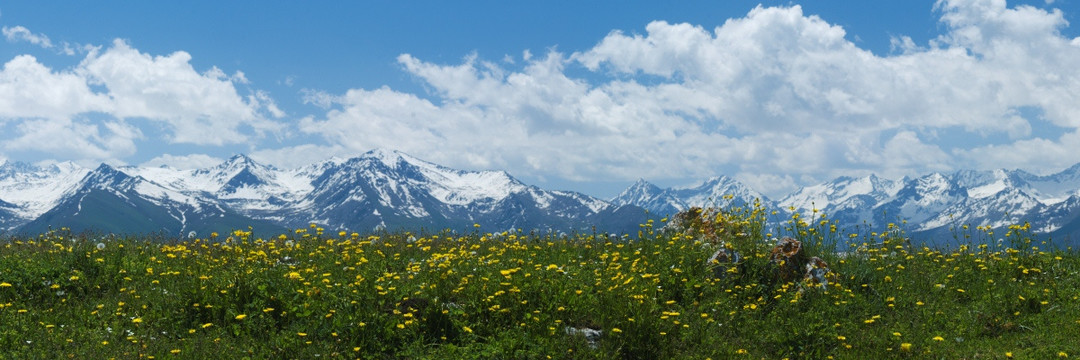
(387, 187)
(242, 183)
(920, 199)
(384, 188)
(649, 196)
(124, 184)
(929, 204)
(719, 191)
(1061, 219)
(110, 199)
(32, 190)
(838, 193)
(455, 187)
(1000, 209)
(225, 180)
(1054, 188)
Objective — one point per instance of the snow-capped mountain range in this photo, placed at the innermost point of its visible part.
(380, 189)
(931, 205)
(385, 189)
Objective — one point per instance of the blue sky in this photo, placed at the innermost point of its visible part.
(585, 96)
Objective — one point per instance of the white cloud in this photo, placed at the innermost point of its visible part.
(773, 96)
(778, 97)
(20, 33)
(1037, 154)
(199, 108)
(29, 89)
(76, 139)
(768, 183)
(96, 109)
(184, 162)
(261, 99)
(317, 97)
(292, 157)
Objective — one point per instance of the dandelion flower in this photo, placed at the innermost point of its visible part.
(240, 317)
(939, 338)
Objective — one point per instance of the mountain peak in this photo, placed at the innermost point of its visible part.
(242, 161)
(13, 167)
(105, 176)
(641, 183)
(640, 189)
(388, 187)
(240, 158)
(1072, 169)
(1071, 173)
(387, 156)
(105, 168)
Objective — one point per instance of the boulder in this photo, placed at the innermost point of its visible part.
(722, 260)
(700, 224)
(790, 259)
(816, 269)
(592, 336)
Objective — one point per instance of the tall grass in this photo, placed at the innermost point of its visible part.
(504, 295)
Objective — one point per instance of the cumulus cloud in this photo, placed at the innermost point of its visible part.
(96, 109)
(200, 108)
(29, 89)
(774, 96)
(778, 98)
(293, 157)
(184, 162)
(76, 139)
(19, 33)
(1051, 154)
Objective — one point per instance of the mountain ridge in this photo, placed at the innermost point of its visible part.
(930, 206)
(388, 189)
(378, 190)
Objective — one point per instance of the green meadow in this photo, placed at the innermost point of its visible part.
(315, 293)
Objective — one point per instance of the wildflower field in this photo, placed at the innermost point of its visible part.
(499, 295)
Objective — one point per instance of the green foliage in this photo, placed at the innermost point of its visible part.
(307, 294)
